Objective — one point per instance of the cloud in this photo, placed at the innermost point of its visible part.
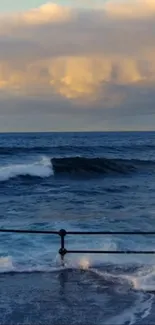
(133, 9)
(47, 13)
(80, 59)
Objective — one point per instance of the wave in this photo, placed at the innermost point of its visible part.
(47, 167)
(74, 165)
(142, 279)
(107, 286)
(41, 168)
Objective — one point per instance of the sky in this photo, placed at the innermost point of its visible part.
(77, 65)
(21, 5)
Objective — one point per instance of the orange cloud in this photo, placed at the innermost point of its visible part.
(130, 9)
(79, 54)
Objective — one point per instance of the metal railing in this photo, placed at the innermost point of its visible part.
(63, 233)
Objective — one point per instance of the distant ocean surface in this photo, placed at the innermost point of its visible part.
(77, 181)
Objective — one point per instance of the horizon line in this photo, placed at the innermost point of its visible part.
(84, 131)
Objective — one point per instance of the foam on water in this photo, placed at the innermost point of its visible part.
(143, 280)
(141, 308)
(6, 264)
(40, 168)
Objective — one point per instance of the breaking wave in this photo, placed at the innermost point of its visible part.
(140, 279)
(41, 168)
(73, 165)
(47, 167)
(107, 287)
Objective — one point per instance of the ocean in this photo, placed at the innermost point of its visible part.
(79, 182)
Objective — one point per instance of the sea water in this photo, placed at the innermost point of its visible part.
(77, 181)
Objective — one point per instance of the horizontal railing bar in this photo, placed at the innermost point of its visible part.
(31, 231)
(108, 252)
(62, 233)
(110, 233)
(27, 231)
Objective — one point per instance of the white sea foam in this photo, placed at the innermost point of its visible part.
(40, 168)
(6, 264)
(140, 310)
(140, 307)
(143, 279)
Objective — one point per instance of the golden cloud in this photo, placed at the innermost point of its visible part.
(75, 77)
(130, 9)
(47, 13)
(77, 54)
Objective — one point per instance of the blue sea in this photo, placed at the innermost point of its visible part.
(79, 182)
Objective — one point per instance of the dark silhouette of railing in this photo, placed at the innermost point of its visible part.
(63, 233)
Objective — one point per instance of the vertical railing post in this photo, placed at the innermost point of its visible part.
(62, 250)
